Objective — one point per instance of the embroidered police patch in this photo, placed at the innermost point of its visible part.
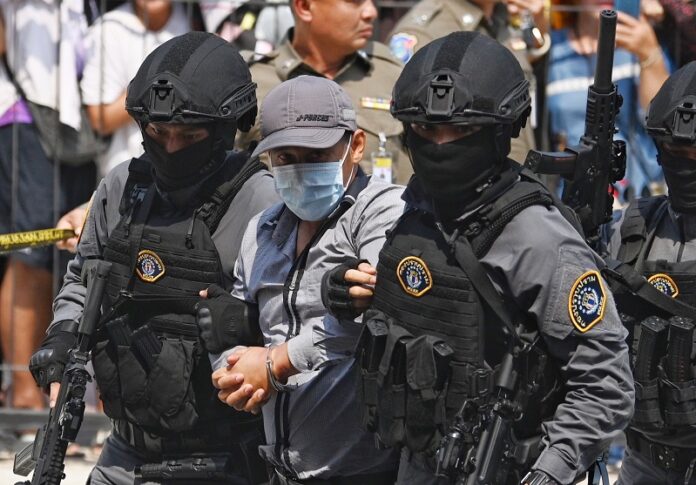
(403, 46)
(586, 301)
(414, 276)
(149, 267)
(664, 284)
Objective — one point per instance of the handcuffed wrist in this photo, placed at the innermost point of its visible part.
(272, 381)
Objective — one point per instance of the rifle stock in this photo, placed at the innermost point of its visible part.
(46, 456)
(496, 437)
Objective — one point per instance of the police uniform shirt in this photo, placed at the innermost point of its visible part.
(256, 194)
(368, 77)
(313, 429)
(432, 19)
(543, 269)
(675, 241)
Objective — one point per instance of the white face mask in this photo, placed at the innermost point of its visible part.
(311, 190)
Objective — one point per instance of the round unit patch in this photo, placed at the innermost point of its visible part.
(414, 276)
(664, 284)
(403, 46)
(586, 301)
(149, 267)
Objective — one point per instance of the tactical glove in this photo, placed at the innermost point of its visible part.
(224, 321)
(48, 363)
(334, 290)
(538, 478)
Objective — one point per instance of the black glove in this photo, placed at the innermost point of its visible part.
(219, 318)
(48, 363)
(334, 290)
(538, 478)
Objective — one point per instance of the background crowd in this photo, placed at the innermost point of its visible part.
(70, 61)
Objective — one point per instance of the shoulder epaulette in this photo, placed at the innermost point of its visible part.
(420, 15)
(251, 57)
(381, 51)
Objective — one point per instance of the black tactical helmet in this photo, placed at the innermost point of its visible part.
(672, 113)
(193, 78)
(446, 82)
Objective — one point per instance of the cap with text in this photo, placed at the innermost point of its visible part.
(306, 111)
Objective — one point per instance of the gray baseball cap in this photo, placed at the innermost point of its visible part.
(306, 111)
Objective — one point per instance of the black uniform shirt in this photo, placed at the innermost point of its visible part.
(675, 241)
(543, 268)
(257, 194)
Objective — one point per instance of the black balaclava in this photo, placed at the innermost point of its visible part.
(191, 164)
(452, 172)
(680, 176)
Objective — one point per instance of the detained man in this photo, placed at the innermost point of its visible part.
(303, 377)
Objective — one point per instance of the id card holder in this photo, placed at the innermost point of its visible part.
(382, 161)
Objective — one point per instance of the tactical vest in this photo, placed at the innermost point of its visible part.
(664, 378)
(431, 341)
(150, 364)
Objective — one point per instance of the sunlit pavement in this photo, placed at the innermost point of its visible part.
(77, 470)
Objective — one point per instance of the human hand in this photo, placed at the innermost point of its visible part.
(215, 316)
(243, 384)
(636, 35)
(538, 478)
(362, 282)
(347, 289)
(48, 363)
(653, 10)
(534, 7)
(74, 220)
(53, 393)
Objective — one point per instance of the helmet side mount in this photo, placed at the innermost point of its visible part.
(161, 100)
(440, 100)
(684, 121)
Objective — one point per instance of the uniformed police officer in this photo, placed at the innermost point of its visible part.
(331, 39)
(430, 19)
(489, 307)
(657, 237)
(171, 223)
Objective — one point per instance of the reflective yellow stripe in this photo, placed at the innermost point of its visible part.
(40, 237)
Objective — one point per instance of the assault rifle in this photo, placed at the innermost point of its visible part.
(598, 161)
(489, 429)
(480, 447)
(46, 456)
(213, 468)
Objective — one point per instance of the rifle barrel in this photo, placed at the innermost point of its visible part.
(605, 52)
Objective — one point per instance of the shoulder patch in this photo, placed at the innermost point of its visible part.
(149, 266)
(587, 301)
(414, 276)
(403, 46)
(664, 284)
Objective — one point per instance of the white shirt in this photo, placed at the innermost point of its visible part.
(43, 49)
(116, 46)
